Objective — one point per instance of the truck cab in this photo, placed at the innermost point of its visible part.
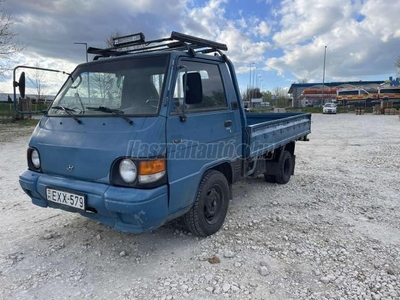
(134, 139)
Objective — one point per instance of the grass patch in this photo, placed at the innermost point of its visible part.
(22, 123)
(7, 109)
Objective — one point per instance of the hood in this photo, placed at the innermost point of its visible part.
(86, 151)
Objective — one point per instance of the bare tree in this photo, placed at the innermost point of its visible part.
(38, 83)
(103, 87)
(279, 92)
(110, 39)
(280, 96)
(8, 45)
(303, 80)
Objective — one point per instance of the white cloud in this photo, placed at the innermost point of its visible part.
(210, 22)
(287, 37)
(303, 19)
(263, 30)
(356, 37)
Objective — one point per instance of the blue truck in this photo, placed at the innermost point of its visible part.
(150, 131)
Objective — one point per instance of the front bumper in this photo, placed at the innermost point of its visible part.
(329, 111)
(125, 209)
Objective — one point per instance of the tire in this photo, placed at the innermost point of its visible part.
(285, 168)
(211, 205)
(269, 178)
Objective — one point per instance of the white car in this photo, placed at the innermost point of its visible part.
(329, 108)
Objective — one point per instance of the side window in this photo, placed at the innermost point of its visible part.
(213, 90)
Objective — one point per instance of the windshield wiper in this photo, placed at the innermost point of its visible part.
(111, 111)
(67, 111)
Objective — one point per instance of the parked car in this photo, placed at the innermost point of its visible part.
(329, 108)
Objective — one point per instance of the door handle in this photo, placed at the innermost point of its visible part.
(228, 123)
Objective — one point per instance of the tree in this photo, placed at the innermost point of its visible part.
(303, 80)
(110, 39)
(279, 92)
(280, 96)
(251, 93)
(38, 83)
(8, 45)
(102, 86)
(267, 96)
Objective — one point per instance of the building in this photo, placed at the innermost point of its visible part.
(296, 90)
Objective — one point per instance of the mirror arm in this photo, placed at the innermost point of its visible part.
(17, 84)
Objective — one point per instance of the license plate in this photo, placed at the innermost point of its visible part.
(66, 198)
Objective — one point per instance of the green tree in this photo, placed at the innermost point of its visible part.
(267, 96)
(251, 93)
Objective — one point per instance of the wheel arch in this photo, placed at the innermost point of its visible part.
(226, 169)
(290, 147)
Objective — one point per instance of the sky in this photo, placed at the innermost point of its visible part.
(277, 43)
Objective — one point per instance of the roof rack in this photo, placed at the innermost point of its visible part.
(177, 41)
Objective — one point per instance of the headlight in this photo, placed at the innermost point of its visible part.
(127, 170)
(35, 158)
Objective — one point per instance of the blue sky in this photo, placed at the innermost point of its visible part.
(283, 41)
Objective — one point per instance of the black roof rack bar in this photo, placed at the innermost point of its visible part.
(197, 41)
(179, 41)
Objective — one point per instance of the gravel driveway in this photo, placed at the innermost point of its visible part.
(333, 232)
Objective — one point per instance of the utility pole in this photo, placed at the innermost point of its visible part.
(250, 83)
(323, 77)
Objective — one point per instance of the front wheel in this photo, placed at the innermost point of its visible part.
(211, 205)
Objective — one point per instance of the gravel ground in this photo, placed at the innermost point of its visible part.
(333, 232)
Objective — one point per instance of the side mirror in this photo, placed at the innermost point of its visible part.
(21, 85)
(194, 88)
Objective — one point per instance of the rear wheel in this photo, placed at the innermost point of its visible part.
(211, 205)
(285, 168)
(269, 178)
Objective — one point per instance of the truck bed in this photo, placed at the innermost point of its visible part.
(269, 131)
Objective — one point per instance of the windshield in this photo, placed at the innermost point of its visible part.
(129, 86)
(330, 105)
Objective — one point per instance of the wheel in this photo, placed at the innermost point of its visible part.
(211, 205)
(285, 168)
(269, 178)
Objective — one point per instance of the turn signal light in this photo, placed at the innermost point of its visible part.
(149, 167)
